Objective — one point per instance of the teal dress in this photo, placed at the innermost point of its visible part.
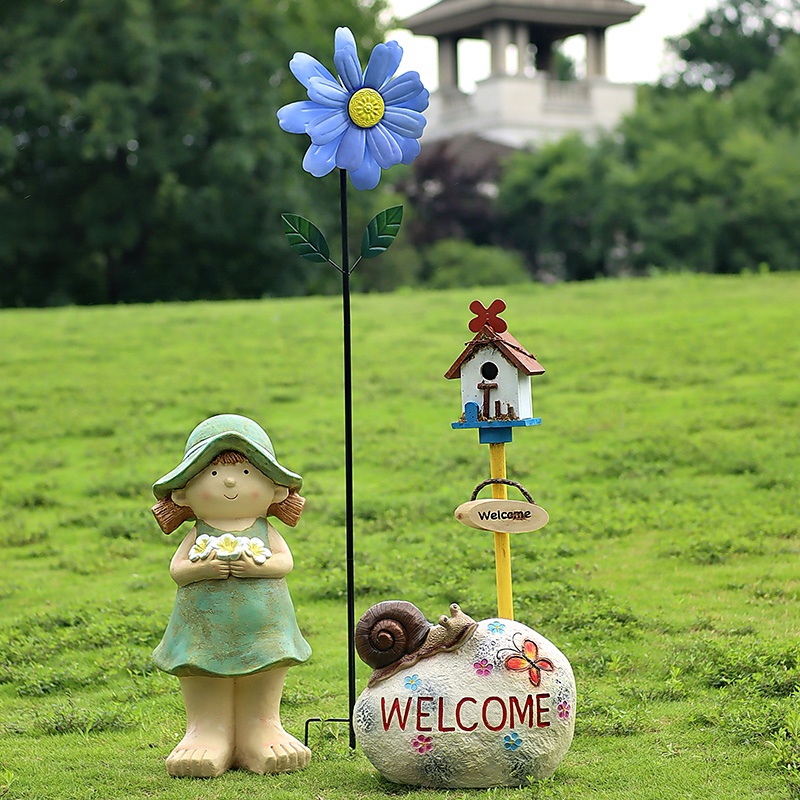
(231, 627)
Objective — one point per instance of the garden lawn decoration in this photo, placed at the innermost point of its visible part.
(495, 372)
(232, 634)
(462, 703)
(361, 123)
(466, 704)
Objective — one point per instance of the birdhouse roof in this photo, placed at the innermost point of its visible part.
(506, 344)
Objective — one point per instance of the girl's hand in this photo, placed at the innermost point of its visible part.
(245, 567)
(210, 569)
(275, 566)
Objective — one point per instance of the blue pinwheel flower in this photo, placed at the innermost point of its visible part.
(364, 121)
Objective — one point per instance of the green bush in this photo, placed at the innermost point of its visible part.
(451, 263)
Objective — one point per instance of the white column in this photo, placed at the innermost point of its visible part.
(499, 36)
(596, 53)
(448, 62)
(522, 40)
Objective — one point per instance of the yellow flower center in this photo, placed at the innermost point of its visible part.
(366, 108)
(226, 544)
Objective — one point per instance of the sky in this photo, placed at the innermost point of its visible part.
(635, 50)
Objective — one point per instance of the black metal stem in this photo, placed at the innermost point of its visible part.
(348, 456)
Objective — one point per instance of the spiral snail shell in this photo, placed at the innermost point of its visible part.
(394, 635)
(389, 631)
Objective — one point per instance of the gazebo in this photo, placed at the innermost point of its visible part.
(518, 106)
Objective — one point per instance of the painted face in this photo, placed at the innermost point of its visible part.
(230, 491)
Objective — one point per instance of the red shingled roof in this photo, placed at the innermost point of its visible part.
(506, 344)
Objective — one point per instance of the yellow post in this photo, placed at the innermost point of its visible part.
(502, 545)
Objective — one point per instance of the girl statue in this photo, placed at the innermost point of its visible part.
(232, 634)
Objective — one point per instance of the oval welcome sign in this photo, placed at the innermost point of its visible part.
(502, 516)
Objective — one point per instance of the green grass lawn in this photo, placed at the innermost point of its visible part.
(669, 573)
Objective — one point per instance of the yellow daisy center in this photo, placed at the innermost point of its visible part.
(366, 108)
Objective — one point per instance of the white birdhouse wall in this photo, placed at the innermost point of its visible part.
(525, 399)
(488, 379)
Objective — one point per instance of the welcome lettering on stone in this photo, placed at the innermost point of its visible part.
(494, 713)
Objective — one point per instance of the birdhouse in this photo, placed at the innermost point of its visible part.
(495, 371)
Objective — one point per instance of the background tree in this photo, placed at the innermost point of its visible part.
(703, 181)
(733, 40)
(560, 210)
(140, 157)
(453, 185)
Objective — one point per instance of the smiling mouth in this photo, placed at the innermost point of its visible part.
(230, 498)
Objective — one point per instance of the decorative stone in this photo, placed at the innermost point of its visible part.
(495, 708)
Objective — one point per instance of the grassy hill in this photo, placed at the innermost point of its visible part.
(669, 573)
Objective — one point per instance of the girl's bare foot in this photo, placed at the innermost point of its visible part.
(262, 745)
(199, 757)
(269, 750)
(207, 748)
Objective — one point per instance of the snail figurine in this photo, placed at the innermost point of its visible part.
(395, 635)
(461, 704)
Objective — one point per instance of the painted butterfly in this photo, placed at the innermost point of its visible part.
(527, 658)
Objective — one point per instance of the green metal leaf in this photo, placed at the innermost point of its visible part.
(381, 232)
(305, 238)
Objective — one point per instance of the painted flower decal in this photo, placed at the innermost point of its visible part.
(413, 682)
(202, 546)
(257, 550)
(364, 121)
(422, 743)
(563, 710)
(483, 667)
(512, 741)
(229, 547)
(526, 658)
(496, 627)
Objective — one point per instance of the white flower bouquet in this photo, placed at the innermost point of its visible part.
(229, 548)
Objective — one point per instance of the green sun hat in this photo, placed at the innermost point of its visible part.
(216, 435)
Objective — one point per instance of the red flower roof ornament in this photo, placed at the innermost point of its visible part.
(487, 316)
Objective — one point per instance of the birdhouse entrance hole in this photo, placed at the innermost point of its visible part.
(489, 370)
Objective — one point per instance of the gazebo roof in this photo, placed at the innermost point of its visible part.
(467, 18)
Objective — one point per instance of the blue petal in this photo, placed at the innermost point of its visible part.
(325, 128)
(383, 146)
(320, 160)
(381, 67)
(296, 116)
(410, 148)
(351, 149)
(348, 67)
(327, 93)
(404, 121)
(397, 57)
(418, 103)
(402, 89)
(304, 67)
(343, 37)
(368, 175)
